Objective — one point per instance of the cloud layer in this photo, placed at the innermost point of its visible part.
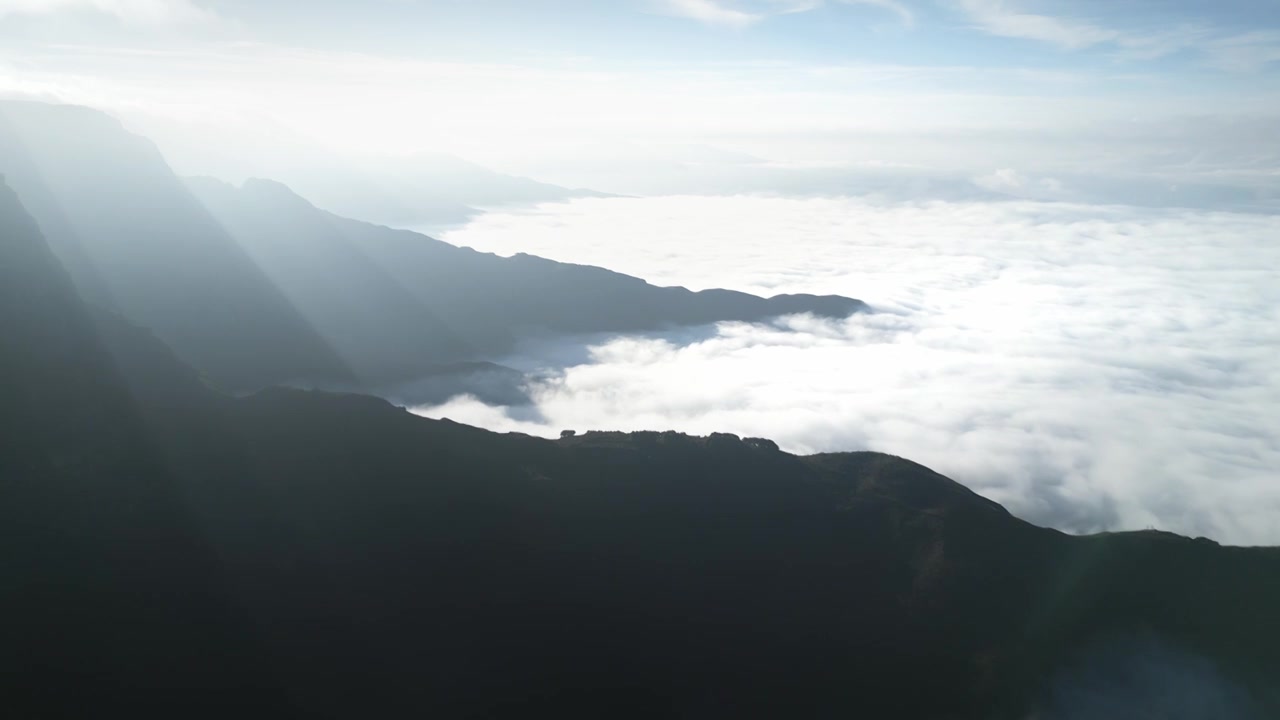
(1091, 367)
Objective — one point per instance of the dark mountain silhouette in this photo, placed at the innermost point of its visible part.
(393, 566)
(493, 300)
(111, 595)
(392, 301)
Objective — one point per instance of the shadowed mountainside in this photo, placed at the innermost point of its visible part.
(390, 565)
(107, 582)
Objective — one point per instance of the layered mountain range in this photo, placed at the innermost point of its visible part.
(423, 189)
(174, 550)
(255, 286)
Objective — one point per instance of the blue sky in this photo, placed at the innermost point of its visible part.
(1166, 34)
(1175, 34)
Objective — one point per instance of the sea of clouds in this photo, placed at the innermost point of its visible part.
(1090, 367)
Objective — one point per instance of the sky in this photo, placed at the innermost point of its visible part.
(1141, 98)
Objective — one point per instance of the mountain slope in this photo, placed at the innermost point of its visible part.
(654, 574)
(393, 301)
(379, 328)
(111, 596)
(424, 189)
(134, 239)
(438, 568)
(493, 301)
(266, 289)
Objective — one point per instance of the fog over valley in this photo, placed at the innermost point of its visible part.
(1092, 367)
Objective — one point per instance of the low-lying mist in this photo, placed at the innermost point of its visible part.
(1093, 368)
(1142, 677)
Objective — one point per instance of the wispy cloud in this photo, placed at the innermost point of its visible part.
(998, 17)
(131, 12)
(739, 14)
(1245, 52)
(1235, 52)
(711, 12)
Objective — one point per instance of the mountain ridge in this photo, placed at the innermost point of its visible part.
(936, 547)
(322, 300)
(451, 303)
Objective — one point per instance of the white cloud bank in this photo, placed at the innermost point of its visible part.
(1090, 367)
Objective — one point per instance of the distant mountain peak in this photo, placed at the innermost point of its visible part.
(272, 188)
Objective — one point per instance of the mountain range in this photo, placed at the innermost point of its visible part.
(255, 286)
(175, 550)
(427, 190)
(422, 189)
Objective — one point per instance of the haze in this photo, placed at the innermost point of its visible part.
(1170, 102)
